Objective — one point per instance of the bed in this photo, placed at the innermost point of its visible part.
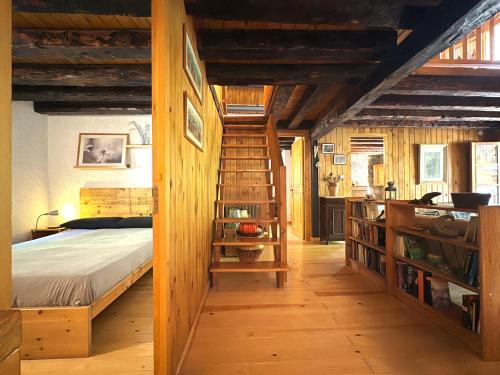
(62, 282)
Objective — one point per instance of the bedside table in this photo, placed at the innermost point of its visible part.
(44, 232)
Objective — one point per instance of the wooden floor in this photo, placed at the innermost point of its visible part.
(327, 321)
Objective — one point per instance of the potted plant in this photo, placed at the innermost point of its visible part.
(333, 183)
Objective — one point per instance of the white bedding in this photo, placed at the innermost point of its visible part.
(76, 267)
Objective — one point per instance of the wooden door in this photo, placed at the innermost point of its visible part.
(298, 188)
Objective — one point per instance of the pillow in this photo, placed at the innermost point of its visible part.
(93, 223)
(136, 222)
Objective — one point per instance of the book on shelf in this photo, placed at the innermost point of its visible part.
(470, 267)
(369, 257)
(470, 314)
(368, 233)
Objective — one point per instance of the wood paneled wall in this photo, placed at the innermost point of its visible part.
(5, 154)
(401, 158)
(244, 95)
(186, 178)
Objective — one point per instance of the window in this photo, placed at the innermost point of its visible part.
(367, 161)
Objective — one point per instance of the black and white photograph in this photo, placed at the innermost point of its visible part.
(192, 66)
(193, 123)
(102, 150)
(339, 159)
(328, 148)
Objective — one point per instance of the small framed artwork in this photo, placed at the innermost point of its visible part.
(432, 163)
(192, 65)
(193, 123)
(339, 159)
(102, 150)
(328, 148)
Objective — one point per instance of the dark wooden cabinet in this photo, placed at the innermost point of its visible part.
(331, 219)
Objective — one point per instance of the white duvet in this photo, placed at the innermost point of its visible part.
(76, 267)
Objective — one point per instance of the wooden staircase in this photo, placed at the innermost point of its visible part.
(251, 176)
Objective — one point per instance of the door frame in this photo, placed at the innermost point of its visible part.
(307, 176)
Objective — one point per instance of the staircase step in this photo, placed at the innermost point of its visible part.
(244, 127)
(244, 119)
(225, 145)
(262, 266)
(244, 202)
(246, 220)
(245, 157)
(244, 135)
(243, 186)
(245, 242)
(245, 170)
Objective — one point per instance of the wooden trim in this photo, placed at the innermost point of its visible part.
(11, 365)
(10, 333)
(121, 202)
(192, 331)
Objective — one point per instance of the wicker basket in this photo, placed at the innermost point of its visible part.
(250, 254)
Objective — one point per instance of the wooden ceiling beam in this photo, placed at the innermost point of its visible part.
(404, 14)
(448, 23)
(427, 115)
(82, 75)
(284, 74)
(85, 46)
(281, 95)
(85, 94)
(409, 123)
(435, 102)
(294, 46)
(134, 8)
(91, 108)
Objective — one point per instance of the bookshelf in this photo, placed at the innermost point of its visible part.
(476, 282)
(365, 239)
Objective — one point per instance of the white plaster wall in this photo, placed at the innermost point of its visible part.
(30, 196)
(65, 181)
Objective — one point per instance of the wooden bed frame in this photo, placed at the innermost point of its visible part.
(66, 332)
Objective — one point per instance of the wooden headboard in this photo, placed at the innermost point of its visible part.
(123, 202)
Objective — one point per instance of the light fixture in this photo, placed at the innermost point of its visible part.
(50, 213)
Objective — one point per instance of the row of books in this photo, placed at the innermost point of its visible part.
(415, 282)
(370, 233)
(470, 267)
(371, 258)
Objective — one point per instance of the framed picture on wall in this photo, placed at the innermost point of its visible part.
(432, 163)
(192, 65)
(328, 148)
(340, 159)
(102, 150)
(193, 123)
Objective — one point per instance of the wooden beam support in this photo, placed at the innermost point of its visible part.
(403, 14)
(281, 95)
(406, 123)
(294, 46)
(427, 115)
(432, 102)
(82, 75)
(284, 74)
(448, 86)
(313, 102)
(85, 46)
(448, 23)
(92, 108)
(85, 94)
(134, 8)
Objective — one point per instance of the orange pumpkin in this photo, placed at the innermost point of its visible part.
(248, 228)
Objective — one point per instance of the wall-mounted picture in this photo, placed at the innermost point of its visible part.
(102, 150)
(432, 163)
(328, 148)
(339, 159)
(192, 66)
(193, 123)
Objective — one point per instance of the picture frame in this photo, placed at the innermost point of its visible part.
(102, 150)
(194, 128)
(191, 65)
(432, 163)
(339, 159)
(328, 148)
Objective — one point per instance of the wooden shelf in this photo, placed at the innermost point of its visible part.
(429, 236)
(226, 145)
(246, 220)
(245, 170)
(369, 201)
(434, 207)
(262, 266)
(368, 244)
(370, 222)
(246, 241)
(426, 266)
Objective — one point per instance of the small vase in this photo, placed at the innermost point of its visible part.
(333, 189)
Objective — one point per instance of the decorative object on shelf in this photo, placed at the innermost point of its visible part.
(102, 150)
(471, 233)
(435, 259)
(192, 65)
(390, 190)
(440, 293)
(143, 130)
(426, 199)
(50, 213)
(328, 148)
(333, 183)
(249, 230)
(193, 123)
(446, 226)
(250, 253)
(470, 200)
(339, 159)
(414, 248)
(432, 163)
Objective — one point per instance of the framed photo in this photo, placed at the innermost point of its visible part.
(339, 159)
(432, 163)
(193, 123)
(328, 148)
(102, 150)
(192, 65)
